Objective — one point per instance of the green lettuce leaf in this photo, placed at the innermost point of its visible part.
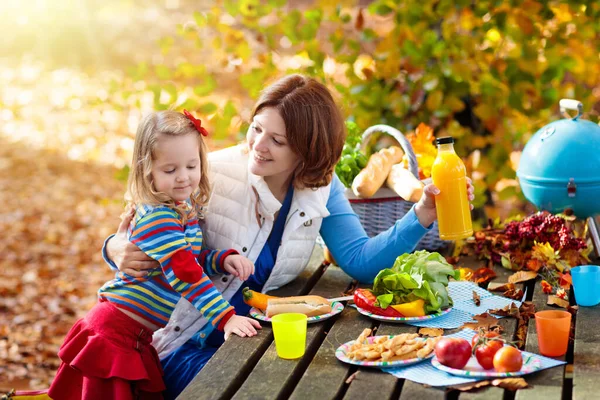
(419, 275)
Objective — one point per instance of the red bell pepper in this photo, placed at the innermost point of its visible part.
(365, 299)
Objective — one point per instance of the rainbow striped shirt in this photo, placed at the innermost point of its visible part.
(160, 233)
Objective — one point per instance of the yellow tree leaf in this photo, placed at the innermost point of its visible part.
(434, 100)
(522, 276)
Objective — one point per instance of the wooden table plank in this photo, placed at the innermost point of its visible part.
(273, 377)
(325, 377)
(231, 364)
(586, 359)
(546, 384)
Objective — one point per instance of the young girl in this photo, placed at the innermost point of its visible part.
(107, 354)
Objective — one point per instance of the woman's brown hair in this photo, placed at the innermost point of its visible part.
(140, 189)
(314, 126)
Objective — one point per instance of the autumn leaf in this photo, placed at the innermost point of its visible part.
(510, 383)
(500, 287)
(534, 265)
(360, 20)
(546, 287)
(476, 299)
(522, 276)
(431, 332)
(557, 301)
(351, 377)
(483, 275)
(485, 320)
(527, 309)
(471, 386)
(545, 253)
(510, 310)
(565, 280)
(515, 294)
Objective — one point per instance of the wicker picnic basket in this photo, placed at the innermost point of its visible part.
(381, 211)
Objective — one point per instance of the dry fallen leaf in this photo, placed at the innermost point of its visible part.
(484, 320)
(471, 386)
(510, 310)
(431, 332)
(522, 276)
(511, 383)
(483, 275)
(476, 299)
(351, 377)
(526, 312)
(514, 294)
(500, 287)
(557, 301)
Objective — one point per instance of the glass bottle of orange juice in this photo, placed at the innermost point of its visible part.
(450, 176)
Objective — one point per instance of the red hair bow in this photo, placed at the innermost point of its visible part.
(197, 123)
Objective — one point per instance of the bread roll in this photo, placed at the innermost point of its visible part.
(309, 305)
(403, 182)
(372, 177)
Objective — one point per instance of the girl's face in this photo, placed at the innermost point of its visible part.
(270, 154)
(176, 166)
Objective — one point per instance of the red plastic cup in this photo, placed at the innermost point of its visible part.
(553, 327)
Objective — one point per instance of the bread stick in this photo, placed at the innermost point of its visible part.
(373, 176)
(404, 183)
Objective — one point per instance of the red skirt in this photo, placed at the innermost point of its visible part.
(108, 355)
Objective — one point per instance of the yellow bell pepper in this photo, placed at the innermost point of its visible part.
(413, 309)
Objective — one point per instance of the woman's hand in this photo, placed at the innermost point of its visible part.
(238, 266)
(241, 326)
(425, 208)
(126, 255)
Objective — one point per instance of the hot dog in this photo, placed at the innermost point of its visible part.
(309, 305)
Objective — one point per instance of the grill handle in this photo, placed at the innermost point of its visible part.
(571, 104)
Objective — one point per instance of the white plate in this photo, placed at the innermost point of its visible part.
(336, 308)
(531, 363)
(342, 351)
(403, 319)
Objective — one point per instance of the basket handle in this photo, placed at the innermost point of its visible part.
(413, 167)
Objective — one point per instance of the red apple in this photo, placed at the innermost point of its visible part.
(453, 352)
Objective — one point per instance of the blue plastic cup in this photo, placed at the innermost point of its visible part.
(586, 283)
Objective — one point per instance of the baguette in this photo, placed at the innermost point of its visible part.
(403, 182)
(373, 176)
(308, 305)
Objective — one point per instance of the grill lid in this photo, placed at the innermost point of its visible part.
(563, 151)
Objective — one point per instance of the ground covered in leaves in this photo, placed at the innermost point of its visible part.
(55, 215)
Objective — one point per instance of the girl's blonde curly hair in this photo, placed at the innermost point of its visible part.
(140, 188)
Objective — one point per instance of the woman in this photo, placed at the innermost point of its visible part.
(271, 198)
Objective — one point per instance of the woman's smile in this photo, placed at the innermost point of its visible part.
(260, 158)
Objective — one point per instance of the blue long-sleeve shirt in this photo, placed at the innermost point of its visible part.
(358, 255)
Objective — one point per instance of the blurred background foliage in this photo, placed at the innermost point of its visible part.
(490, 73)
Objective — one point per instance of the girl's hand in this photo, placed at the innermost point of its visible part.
(425, 208)
(126, 255)
(241, 326)
(238, 266)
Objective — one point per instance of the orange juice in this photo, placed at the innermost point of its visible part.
(450, 176)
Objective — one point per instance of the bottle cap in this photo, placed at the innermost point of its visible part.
(444, 140)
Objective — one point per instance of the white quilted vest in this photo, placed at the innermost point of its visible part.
(234, 224)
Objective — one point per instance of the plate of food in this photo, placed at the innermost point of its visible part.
(414, 289)
(490, 357)
(386, 351)
(531, 363)
(316, 308)
(401, 319)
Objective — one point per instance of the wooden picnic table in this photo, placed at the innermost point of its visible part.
(248, 368)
